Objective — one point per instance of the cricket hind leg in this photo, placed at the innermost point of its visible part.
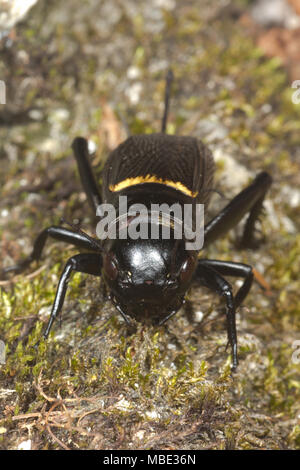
(249, 200)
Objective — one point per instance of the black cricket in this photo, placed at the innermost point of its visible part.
(148, 279)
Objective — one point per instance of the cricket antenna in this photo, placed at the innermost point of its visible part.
(169, 79)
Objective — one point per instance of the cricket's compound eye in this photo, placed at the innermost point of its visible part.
(110, 267)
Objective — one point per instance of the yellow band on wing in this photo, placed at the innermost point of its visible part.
(151, 179)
